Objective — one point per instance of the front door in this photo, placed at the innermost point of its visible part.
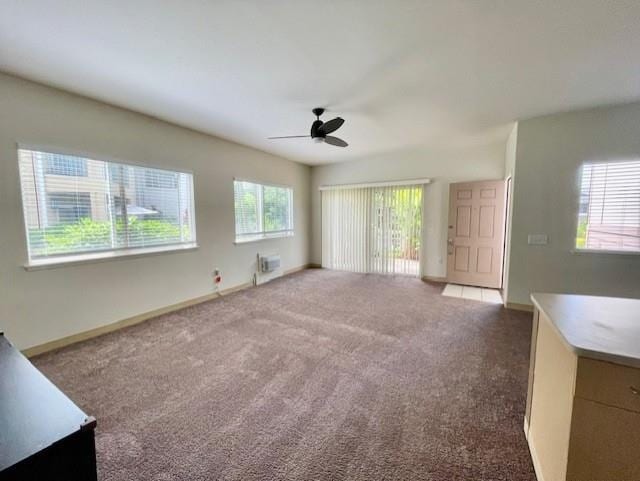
(475, 244)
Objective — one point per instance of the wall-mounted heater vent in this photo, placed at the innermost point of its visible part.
(268, 267)
(269, 263)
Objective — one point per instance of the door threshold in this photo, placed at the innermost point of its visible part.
(482, 294)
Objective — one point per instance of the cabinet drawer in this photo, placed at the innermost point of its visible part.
(608, 383)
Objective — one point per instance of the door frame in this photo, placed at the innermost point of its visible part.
(507, 240)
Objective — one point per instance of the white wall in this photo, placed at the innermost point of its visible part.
(550, 151)
(445, 165)
(509, 171)
(40, 306)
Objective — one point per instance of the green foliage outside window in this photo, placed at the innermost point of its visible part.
(246, 209)
(261, 209)
(276, 208)
(581, 237)
(404, 208)
(87, 234)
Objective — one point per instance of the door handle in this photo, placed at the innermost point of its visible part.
(450, 246)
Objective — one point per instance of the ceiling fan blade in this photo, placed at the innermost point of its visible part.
(290, 137)
(331, 125)
(329, 139)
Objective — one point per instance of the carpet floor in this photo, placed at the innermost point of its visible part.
(320, 375)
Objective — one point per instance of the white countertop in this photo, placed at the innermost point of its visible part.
(603, 328)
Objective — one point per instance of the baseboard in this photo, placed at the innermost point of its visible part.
(131, 321)
(434, 279)
(301, 268)
(534, 459)
(519, 307)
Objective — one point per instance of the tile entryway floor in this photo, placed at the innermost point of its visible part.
(474, 293)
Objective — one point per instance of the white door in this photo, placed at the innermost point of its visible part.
(475, 245)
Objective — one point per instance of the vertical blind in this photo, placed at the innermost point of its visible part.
(609, 214)
(74, 205)
(262, 210)
(372, 229)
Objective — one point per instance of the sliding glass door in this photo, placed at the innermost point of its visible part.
(372, 229)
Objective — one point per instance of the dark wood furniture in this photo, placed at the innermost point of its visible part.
(44, 436)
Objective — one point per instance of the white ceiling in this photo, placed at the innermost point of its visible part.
(403, 73)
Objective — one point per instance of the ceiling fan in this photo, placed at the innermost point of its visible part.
(320, 129)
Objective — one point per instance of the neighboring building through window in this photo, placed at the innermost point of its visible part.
(68, 207)
(119, 174)
(56, 164)
(161, 179)
(262, 211)
(98, 206)
(609, 212)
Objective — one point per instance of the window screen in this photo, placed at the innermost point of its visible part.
(74, 205)
(609, 213)
(262, 211)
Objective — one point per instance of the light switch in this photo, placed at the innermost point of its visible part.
(538, 239)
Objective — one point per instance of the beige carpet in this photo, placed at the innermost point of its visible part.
(317, 376)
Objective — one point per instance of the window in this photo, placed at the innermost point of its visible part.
(262, 211)
(609, 213)
(113, 208)
(57, 164)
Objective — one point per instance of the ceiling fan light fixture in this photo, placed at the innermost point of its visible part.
(320, 130)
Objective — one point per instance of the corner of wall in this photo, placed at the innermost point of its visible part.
(509, 172)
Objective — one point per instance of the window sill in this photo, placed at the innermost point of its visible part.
(72, 260)
(250, 240)
(605, 252)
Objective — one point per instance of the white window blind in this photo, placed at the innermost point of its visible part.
(609, 214)
(75, 205)
(262, 211)
(373, 229)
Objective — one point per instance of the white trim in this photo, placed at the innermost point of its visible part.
(265, 233)
(604, 251)
(76, 259)
(261, 182)
(261, 237)
(376, 184)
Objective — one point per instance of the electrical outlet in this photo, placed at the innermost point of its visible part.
(217, 278)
